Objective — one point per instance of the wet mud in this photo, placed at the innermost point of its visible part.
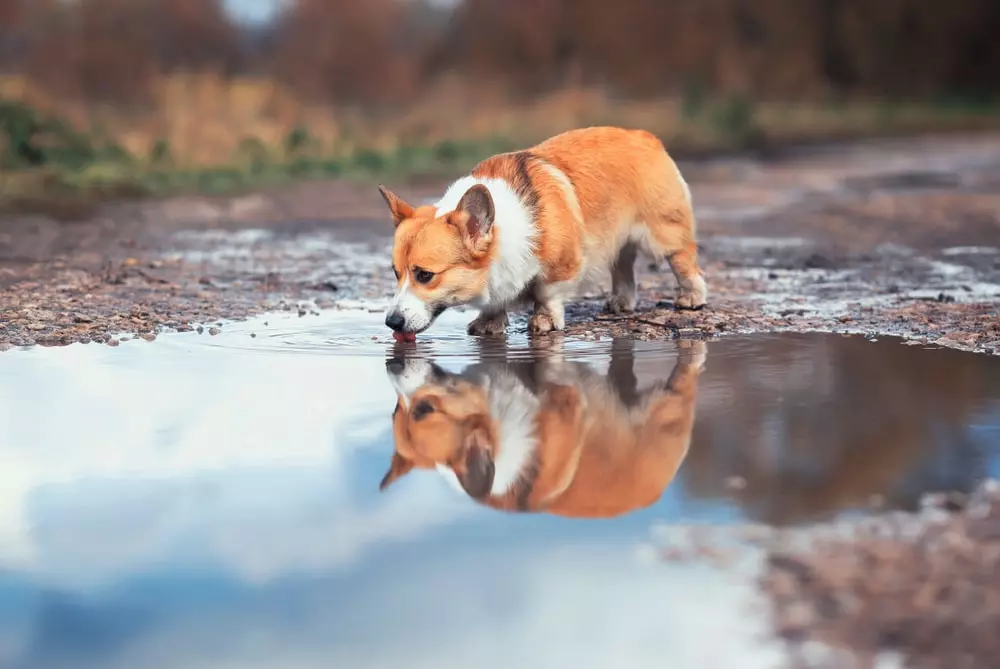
(811, 413)
(290, 479)
(882, 238)
(920, 588)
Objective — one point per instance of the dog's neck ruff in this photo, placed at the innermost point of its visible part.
(515, 409)
(515, 264)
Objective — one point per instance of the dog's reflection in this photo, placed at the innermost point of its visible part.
(547, 435)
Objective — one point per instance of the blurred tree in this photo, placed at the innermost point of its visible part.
(110, 50)
(195, 35)
(11, 13)
(11, 17)
(346, 51)
(771, 47)
(381, 52)
(98, 49)
(16, 20)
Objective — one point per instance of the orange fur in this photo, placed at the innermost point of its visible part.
(588, 198)
(593, 455)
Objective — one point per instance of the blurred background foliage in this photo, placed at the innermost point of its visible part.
(147, 96)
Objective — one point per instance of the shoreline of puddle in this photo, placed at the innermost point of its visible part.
(450, 329)
(208, 484)
(213, 499)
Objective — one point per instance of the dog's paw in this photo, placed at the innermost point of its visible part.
(689, 302)
(693, 352)
(618, 305)
(488, 327)
(552, 346)
(540, 324)
(694, 296)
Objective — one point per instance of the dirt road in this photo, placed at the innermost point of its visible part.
(896, 237)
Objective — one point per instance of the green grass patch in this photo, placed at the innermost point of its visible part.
(47, 166)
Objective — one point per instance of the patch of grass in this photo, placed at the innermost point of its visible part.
(68, 183)
(737, 122)
(47, 165)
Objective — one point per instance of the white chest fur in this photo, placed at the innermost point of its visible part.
(515, 264)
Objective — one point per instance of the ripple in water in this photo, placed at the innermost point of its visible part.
(361, 332)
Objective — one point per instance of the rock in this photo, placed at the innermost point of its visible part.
(736, 483)
(818, 261)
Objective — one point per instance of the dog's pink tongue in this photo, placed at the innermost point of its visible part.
(404, 336)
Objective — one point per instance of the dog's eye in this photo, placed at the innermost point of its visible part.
(422, 409)
(422, 275)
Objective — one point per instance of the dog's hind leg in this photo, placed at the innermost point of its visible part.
(671, 235)
(622, 298)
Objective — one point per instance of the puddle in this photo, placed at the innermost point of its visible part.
(210, 501)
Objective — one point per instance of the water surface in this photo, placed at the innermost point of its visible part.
(215, 501)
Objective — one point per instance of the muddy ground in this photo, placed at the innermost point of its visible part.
(884, 238)
(886, 591)
(920, 587)
(897, 237)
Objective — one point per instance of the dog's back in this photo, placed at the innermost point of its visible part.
(597, 457)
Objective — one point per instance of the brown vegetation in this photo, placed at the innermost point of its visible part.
(183, 72)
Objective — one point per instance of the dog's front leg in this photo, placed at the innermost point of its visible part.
(550, 312)
(489, 322)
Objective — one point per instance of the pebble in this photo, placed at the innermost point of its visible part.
(736, 483)
(853, 588)
(214, 331)
(67, 305)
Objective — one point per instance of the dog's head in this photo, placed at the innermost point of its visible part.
(441, 421)
(441, 259)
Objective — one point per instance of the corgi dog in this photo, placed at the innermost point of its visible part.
(531, 226)
(546, 436)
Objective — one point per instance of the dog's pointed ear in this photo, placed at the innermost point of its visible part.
(474, 216)
(400, 209)
(477, 470)
(398, 468)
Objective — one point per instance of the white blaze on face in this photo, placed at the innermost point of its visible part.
(415, 374)
(416, 314)
(451, 477)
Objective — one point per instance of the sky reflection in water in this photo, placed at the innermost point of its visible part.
(209, 502)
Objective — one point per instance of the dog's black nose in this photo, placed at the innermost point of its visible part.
(395, 321)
